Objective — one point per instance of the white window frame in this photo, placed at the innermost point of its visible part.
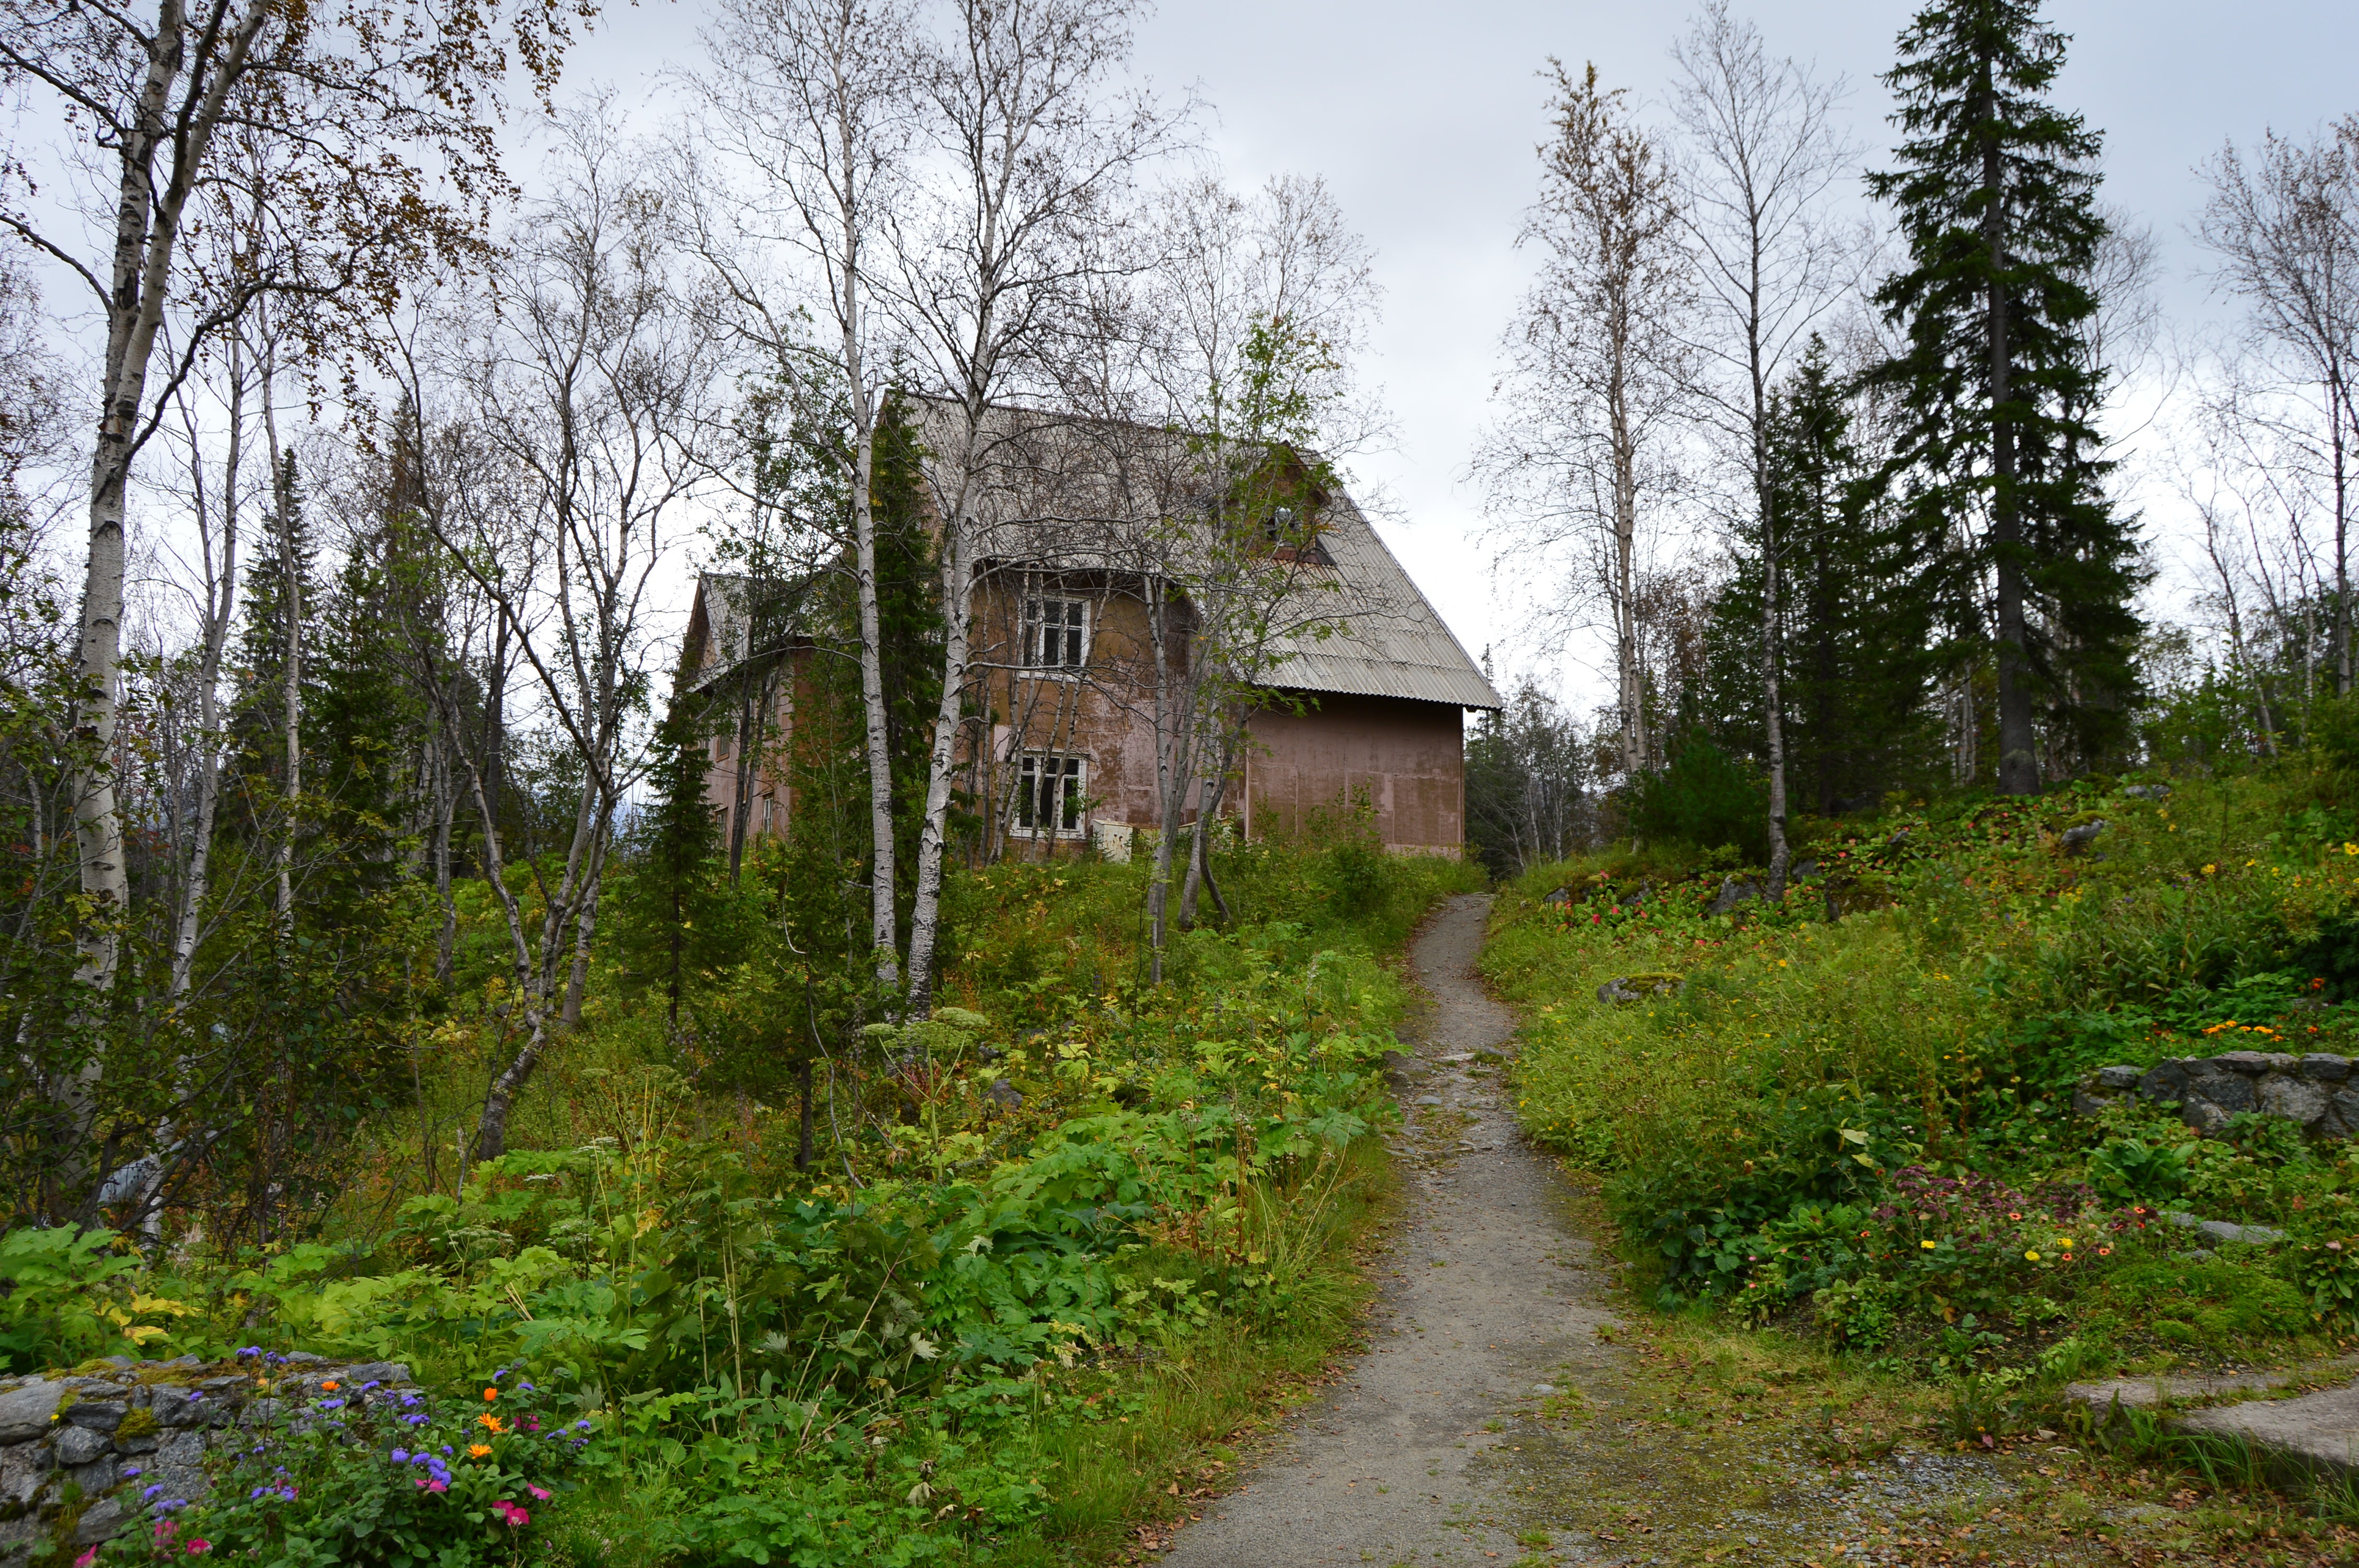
(1069, 806)
(1058, 624)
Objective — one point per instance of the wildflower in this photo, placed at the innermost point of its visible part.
(86, 1559)
(489, 1423)
(2032, 1257)
(539, 1494)
(329, 1385)
(2014, 1217)
(1926, 1245)
(199, 1546)
(2334, 1246)
(130, 1471)
(401, 1456)
(516, 1517)
(432, 1484)
(491, 1393)
(479, 1449)
(2104, 1251)
(249, 1350)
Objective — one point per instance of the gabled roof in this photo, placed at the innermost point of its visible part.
(1055, 483)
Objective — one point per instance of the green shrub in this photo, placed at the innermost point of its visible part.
(2328, 1273)
(2132, 1171)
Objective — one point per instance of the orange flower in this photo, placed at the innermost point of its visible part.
(491, 1393)
(479, 1449)
(490, 1422)
(329, 1385)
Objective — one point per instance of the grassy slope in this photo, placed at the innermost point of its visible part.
(1976, 970)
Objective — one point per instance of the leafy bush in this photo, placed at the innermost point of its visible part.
(2132, 1171)
(2328, 1273)
(67, 1294)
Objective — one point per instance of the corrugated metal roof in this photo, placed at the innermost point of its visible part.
(1390, 640)
(1050, 498)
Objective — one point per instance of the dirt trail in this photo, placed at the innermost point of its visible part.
(1503, 1415)
(1488, 1296)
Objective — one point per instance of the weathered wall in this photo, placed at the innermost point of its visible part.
(1409, 756)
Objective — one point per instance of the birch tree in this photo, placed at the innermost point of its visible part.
(1034, 149)
(812, 102)
(149, 100)
(1759, 156)
(594, 383)
(2282, 226)
(1581, 454)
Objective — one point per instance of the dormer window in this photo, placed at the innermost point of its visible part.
(1056, 635)
(1292, 539)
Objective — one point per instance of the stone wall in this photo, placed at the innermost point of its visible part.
(114, 1439)
(2316, 1091)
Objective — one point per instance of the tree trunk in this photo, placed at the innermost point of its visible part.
(883, 899)
(2019, 765)
(958, 612)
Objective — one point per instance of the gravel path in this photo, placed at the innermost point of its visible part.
(1487, 1295)
(1502, 1414)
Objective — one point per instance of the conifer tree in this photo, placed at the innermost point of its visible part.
(1996, 197)
(670, 903)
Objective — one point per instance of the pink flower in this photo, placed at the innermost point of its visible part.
(516, 1517)
(86, 1559)
(433, 1483)
(539, 1494)
(199, 1546)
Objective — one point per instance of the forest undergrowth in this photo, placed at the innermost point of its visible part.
(989, 1302)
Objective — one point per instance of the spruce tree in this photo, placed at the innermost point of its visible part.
(1996, 195)
(674, 900)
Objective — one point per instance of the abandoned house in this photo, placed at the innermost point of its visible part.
(1119, 603)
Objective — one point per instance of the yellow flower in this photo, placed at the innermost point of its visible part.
(2065, 1242)
(1926, 1245)
(2034, 1257)
(479, 1449)
(2207, 871)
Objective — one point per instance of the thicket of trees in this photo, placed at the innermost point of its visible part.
(1849, 507)
(345, 733)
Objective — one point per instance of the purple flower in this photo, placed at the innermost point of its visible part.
(195, 1394)
(249, 1350)
(401, 1456)
(130, 1471)
(414, 1420)
(149, 1495)
(258, 1492)
(330, 1404)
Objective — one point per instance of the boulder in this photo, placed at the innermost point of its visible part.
(2120, 1078)
(1732, 893)
(2148, 791)
(2326, 1068)
(2296, 1100)
(2080, 837)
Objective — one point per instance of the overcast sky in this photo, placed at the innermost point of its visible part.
(1423, 119)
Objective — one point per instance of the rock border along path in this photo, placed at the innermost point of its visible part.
(1487, 1296)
